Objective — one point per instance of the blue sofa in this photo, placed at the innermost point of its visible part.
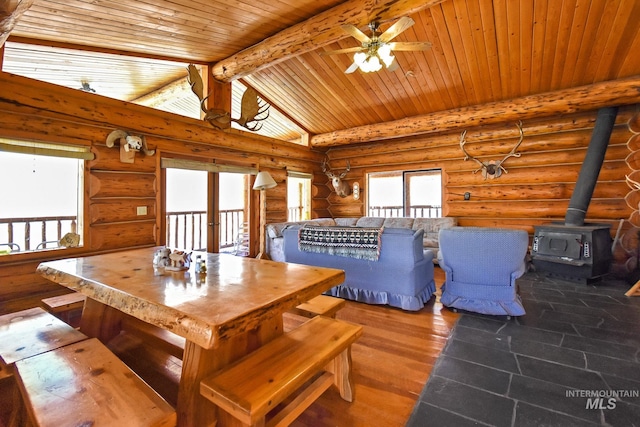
(401, 277)
(481, 267)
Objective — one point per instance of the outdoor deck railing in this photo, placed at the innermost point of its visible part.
(416, 211)
(188, 229)
(185, 229)
(295, 213)
(35, 233)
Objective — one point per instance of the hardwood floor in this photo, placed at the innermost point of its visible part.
(392, 361)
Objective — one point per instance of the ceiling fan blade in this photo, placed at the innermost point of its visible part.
(400, 25)
(355, 32)
(353, 67)
(407, 46)
(346, 50)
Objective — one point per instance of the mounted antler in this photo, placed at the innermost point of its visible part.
(492, 168)
(341, 187)
(253, 109)
(633, 184)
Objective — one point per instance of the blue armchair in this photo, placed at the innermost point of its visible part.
(481, 267)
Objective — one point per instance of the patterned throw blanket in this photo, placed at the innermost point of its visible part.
(354, 242)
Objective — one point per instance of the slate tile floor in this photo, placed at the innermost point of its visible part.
(575, 338)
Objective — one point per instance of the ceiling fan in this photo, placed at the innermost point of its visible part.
(375, 51)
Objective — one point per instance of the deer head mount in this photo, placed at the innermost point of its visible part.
(341, 187)
(492, 168)
(253, 109)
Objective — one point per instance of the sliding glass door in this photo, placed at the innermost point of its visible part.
(207, 206)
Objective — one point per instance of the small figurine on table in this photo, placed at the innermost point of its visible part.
(179, 260)
(161, 257)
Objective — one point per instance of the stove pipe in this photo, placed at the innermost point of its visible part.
(591, 167)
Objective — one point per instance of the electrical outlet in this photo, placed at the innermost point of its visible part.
(141, 210)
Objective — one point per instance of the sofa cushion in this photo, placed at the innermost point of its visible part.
(432, 227)
(370, 221)
(274, 229)
(321, 222)
(346, 222)
(398, 222)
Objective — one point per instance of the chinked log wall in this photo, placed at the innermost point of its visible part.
(39, 111)
(536, 189)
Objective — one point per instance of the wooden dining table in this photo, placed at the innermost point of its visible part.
(224, 314)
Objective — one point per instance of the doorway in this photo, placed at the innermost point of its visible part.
(206, 207)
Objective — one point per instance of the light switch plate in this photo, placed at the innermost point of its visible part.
(141, 210)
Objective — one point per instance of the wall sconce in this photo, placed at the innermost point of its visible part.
(263, 182)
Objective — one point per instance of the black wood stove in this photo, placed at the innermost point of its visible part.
(576, 250)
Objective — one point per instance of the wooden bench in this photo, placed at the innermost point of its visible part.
(322, 305)
(25, 334)
(318, 350)
(85, 384)
(155, 336)
(67, 307)
(33, 331)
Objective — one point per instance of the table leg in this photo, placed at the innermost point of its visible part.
(197, 363)
(100, 321)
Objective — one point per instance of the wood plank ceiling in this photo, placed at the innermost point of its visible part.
(482, 51)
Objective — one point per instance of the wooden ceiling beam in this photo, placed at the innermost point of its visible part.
(10, 12)
(584, 98)
(320, 30)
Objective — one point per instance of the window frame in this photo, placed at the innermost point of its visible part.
(69, 150)
(403, 174)
(307, 196)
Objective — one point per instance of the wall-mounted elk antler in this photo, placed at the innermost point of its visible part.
(633, 184)
(492, 168)
(341, 187)
(253, 109)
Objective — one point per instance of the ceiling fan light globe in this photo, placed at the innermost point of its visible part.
(371, 65)
(388, 60)
(359, 58)
(384, 51)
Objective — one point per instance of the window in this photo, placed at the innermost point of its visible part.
(415, 194)
(186, 214)
(298, 196)
(41, 192)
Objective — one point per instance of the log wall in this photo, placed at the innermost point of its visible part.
(536, 188)
(113, 190)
